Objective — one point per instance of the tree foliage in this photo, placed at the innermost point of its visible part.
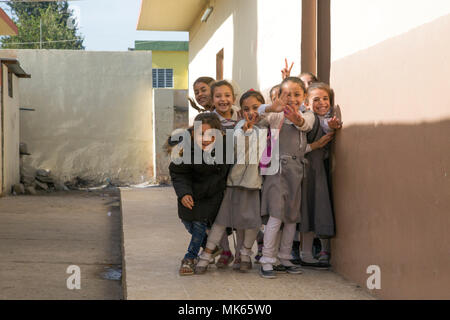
(58, 28)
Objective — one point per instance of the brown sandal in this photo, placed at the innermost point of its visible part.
(187, 267)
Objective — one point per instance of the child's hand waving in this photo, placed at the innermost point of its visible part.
(294, 116)
(187, 201)
(335, 123)
(279, 103)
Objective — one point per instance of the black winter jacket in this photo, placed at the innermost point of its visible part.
(206, 184)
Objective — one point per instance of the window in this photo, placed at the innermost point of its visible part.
(162, 78)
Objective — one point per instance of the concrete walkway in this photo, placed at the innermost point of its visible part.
(154, 242)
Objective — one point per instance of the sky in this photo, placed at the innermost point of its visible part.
(110, 25)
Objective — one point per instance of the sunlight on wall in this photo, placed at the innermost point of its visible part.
(360, 24)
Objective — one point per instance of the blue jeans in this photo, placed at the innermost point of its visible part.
(198, 231)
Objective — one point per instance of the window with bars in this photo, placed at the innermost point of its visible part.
(162, 78)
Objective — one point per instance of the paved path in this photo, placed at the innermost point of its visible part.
(40, 236)
(154, 242)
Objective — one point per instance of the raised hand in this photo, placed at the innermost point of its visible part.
(286, 72)
(279, 103)
(187, 201)
(294, 116)
(335, 123)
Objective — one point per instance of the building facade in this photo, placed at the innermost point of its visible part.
(388, 64)
(170, 63)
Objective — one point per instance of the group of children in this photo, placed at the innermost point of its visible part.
(217, 199)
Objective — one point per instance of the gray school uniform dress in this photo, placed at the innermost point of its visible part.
(316, 209)
(240, 209)
(241, 205)
(281, 193)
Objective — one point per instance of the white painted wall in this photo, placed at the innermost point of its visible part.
(93, 115)
(360, 24)
(11, 132)
(256, 36)
(279, 37)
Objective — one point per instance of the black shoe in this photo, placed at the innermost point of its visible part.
(279, 268)
(316, 265)
(294, 270)
(267, 274)
(297, 261)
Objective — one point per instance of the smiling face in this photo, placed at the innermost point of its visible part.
(202, 93)
(296, 95)
(205, 139)
(223, 99)
(250, 106)
(319, 100)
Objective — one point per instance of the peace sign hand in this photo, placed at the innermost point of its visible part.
(250, 120)
(286, 72)
(294, 116)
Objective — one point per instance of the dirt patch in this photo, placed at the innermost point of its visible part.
(42, 235)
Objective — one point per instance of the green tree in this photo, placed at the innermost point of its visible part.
(58, 29)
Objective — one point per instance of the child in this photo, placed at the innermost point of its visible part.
(222, 94)
(273, 93)
(308, 78)
(223, 99)
(240, 207)
(199, 187)
(317, 213)
(202, 91)
(281, 192)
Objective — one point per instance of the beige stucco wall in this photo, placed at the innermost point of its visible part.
(169, 113)
(391, 171)
(252, 39)
(11, 131)
(93, 115)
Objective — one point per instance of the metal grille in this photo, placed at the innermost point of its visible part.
(162, 78)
